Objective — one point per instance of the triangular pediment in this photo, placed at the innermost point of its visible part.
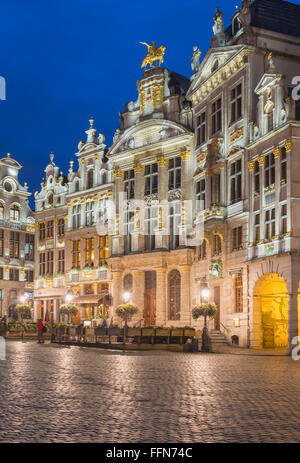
(215, 60)
(267, 80)
(146, 133)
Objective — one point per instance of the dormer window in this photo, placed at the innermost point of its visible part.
(50, 199)
(236, 25)
(15, 213)
(90, 179)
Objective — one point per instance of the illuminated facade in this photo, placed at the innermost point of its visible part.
(217, 151)
(16, 240)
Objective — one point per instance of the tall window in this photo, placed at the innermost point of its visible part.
(1, 211)
(201, 129)
(269, 170)
(61, 261)
(283, 166)
(150, 225)
(174, 295)
(14, 274)
(89, 213)
(236, 181)
(76, 247)
(29, 276)
(174, 223)
(151, 179)
(200, 195)
(50, 262)
(1, 243)
(1, 278)
(14, 245)
(175, 173)
(42, 263)
(103, 250)
(29, 247)
(50, 232)
(15, 213)
(237, 238)
(236, 103)
(270, 224)
(283, 219)
(50, 198)
(238, 292)
(89, 252)
(129, 183)
(128, 229)
(103, 212)
(76, 213)
(257, 228)
(216, 116)
(90, 179)
(256, 178)
(42, 231)
(202, 251)
(61, 227)
(217, 245)
(128, 283)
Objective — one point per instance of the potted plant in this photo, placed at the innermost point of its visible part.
(206, 310)
(125, 312)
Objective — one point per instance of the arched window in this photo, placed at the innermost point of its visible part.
(50, 198)
(174, 295)
(15, 213)
(217, 245)
(1, 211)
(77, 186)
(236, 25)
(104, 178)
(90, 179)
(128, 283)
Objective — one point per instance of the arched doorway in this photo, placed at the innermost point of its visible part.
(270, 312)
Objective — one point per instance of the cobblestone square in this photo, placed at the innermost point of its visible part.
(59, 394)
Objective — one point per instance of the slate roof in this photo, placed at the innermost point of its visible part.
(277, 16)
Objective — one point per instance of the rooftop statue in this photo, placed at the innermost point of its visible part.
(154, 54)
(195, 61)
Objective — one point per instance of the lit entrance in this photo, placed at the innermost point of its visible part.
(270, 312)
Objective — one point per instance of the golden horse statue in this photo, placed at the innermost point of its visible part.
(154, 54)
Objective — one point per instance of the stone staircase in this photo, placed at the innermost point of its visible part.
(218, 338)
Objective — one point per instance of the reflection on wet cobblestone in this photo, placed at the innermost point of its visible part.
(58, 394)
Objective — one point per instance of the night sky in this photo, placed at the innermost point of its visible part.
(65, 61)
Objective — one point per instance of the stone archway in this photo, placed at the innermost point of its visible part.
(270, 312)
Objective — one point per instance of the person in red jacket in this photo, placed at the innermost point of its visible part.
(40, 328)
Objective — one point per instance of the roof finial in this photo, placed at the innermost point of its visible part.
(51, 156)
(71, 164)
(8, 155)
(91, 122)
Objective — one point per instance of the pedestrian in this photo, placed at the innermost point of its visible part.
(41, 329)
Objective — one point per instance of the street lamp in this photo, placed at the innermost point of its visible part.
(126, 297)
(68, 298)
(205, 292)
(23, 298)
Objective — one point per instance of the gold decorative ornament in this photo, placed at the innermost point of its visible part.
(185, 155)
(142, 101)
(161, 161)
(154, 54)
(261, 160)
(276, 152)
(201, 157)
(251, 166)
(158, 96)
(138, 168)
(288, 146)
(237, 135)
(117, 173)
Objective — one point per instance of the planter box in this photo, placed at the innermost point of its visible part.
(163, 332)
(134, 332)
(100, 331)
(113, 332)
(177, 332)
(189, 332)
(89, 331)
(148, 331)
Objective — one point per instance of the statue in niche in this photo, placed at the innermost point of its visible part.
(195, 61)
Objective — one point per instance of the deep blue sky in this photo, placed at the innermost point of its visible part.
(65, 60)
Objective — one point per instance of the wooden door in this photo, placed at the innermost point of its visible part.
(217, 302)
(150, 299)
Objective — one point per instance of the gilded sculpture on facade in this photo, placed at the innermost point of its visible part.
(154, 54)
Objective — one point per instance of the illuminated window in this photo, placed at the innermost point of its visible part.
(14, 274)
(89, 252)
(216, 116)
(174, 224)
(238, 292)
(236, 103)
(76, 213)
(15, 213)
(284, 219)
(236, 181)
(29, 247)
(76, 253)
(103, 250)
(270, 224)
(174, 173)
(29, 276)
(174, 295)
(150, 226)
(50, 262)
(200, 195)
(50, 233)
(151, 179)
(14, 245)
(237, 238)
(42, 263)
(61, 261)
(89, 213)
(42, 231)
(129, 183)
(201, 129)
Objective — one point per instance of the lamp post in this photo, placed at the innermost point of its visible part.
(126, 298)
(205, 293)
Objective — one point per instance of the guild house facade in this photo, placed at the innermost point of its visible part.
(198, 196)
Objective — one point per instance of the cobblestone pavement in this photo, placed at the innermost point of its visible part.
(50, 393)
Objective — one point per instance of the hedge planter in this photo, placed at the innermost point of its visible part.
(189, 332)
(114, 332)
(148, 332)
(177, 332)
(165, 332)
(100, 332)
(131, 332)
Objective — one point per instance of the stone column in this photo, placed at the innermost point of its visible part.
(186, 194)
(138, 292)
(261, 162)
(116, 291)
(251, 237)
(161, 296)
(117, 238)
(185, 309)
(36, 310)
(276, 152)
(161, 233)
